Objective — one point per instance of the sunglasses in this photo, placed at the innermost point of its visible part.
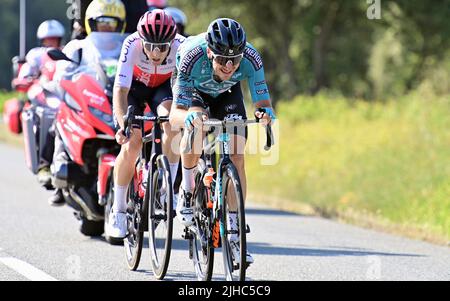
(223, 60)
(107, 21)
(150, 47)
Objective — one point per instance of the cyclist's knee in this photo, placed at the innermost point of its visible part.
(164, 108)
(134, 145)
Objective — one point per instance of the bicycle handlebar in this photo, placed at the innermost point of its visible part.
(224, 123)
(130, 117)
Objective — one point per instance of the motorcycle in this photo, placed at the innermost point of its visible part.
(84, 143)
(32, 112)
(85, 146)
(37, 118)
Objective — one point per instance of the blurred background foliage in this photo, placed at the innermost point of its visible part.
(307, 46)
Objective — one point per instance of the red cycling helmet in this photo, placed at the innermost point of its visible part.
(157, 27)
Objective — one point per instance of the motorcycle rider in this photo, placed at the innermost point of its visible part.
(134, 10)
(102, 17)
(50, 34)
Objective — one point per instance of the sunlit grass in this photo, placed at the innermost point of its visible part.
(390, 160)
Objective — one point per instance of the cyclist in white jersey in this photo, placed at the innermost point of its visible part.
(143, 76)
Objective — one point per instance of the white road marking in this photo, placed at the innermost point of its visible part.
(26, 269)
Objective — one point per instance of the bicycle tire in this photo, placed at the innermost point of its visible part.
(133, 243)
(233, 271)
(160, 212)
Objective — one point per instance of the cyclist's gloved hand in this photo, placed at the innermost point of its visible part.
(194, 119)
(266, 113)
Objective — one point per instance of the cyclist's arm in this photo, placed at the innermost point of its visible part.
(258, 85)
(120, 103)
(124, 78)
(182, 89)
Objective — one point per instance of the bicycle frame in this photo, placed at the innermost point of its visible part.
(225, 158)
(154, 136)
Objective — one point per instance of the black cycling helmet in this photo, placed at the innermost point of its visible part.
(226, 37)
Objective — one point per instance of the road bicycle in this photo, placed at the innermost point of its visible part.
(214, 188)
(150, 199)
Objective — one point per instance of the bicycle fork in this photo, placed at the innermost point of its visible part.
(218, 223)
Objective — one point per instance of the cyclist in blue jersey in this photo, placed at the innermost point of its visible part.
(206, 84)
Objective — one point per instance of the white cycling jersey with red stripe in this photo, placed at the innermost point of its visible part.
(134, 64)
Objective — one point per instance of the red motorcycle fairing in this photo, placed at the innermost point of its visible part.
(74, 130)
(91, 98)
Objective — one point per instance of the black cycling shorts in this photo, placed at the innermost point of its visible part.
(140, 95)
(226, 106)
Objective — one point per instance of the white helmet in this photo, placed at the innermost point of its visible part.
(50, 29)
(177, 15)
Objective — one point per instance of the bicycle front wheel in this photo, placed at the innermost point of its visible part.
(201, 233)
(235, 264)
(160, 217)
(134, 241)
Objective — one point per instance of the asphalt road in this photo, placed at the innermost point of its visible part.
(38, 242)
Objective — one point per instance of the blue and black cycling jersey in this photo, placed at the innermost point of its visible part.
(194, 72)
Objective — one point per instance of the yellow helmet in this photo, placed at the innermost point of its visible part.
(105, 8)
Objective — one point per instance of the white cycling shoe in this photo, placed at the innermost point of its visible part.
(117, 225)
(185, 213)
(236, 252)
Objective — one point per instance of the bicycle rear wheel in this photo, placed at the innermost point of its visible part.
(136, 211)
(160, 217)
(201, 233)
(234, 268)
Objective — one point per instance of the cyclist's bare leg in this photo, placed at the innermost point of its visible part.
(126, 160)
(189, 160)
(124, 168)
(170, 138)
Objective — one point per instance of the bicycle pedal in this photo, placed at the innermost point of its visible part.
(187, 234)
